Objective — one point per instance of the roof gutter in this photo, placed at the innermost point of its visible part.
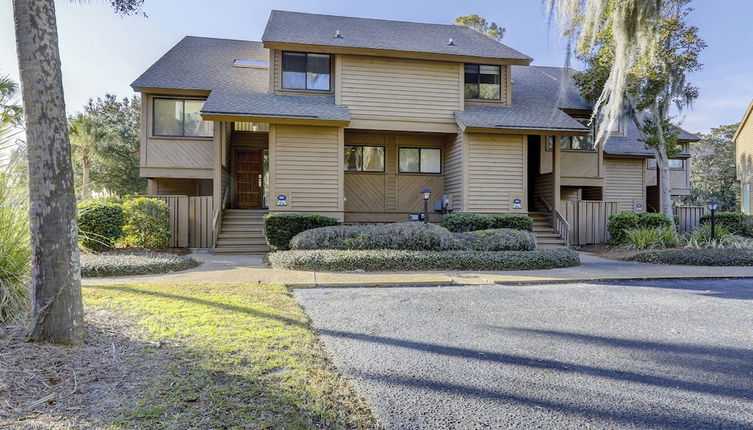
(272, 118)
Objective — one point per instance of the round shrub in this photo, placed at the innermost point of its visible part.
(395, 260)
(698, 257)
(280, 228)
(147, 223)
(503, 239)
(734, 222)
(100, 224)
(619, 224)
(406, 236)
(469, 221)
(146, 263)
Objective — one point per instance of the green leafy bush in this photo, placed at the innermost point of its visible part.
(119, 264)
(503, 239)
(412, 236)
(394, 260)
(734, 222)
(647, 238)
(619, 224)
(15, 250)
(468, 221)
(281, 228)
(698, 257)
(100, 224)
(147, 223)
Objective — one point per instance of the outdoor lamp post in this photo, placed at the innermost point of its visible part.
(425, 194)
(713, 204)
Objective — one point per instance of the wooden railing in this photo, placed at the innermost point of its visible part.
(562, 227)
(545, 202)
(217, 220)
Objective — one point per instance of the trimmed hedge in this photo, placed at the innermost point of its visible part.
(503, 239)
(147, 223)
(734, 222)
(281, 228)
(391, 260)
(698, 257)
(412, 236)
(619, 224)
(119, 264)
(469, 221)
(100, 224)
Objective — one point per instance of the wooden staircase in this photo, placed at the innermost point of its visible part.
(542, 228)
(242, 232)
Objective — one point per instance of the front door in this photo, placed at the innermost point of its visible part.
(249, 179)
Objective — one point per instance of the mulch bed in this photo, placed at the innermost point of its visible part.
(46, 386)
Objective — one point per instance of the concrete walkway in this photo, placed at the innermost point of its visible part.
(251, 268)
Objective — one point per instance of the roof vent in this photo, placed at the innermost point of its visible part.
(252, 64)
(338, 35)
(450, 42)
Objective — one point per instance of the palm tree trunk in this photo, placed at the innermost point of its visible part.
(57, 311)
(85, 166)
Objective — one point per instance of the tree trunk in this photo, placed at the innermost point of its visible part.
(665, 186)
(57, 311)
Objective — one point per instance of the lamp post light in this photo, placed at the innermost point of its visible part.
(425, 194)
(713, 205)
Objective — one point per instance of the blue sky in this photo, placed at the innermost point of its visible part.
(102, 52)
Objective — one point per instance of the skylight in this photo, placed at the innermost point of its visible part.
(255, 64)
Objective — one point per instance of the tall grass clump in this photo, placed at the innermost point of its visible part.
(15, 249)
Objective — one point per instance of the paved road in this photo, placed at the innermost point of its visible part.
(650, 354)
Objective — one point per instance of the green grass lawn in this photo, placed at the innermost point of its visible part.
(232, 356)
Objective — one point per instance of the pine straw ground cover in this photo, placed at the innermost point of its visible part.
(180, 356)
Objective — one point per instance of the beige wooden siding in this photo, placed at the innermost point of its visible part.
(744, 148)
(453, 171)
(679, 179)
(389, 196)
(306, 165)
(579, 164)
(395, 89)
(496, 172)
(623, 182)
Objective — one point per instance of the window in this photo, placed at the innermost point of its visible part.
(305, 71)
(482, 82)
(578, 143)
(364, 158)
(419, 160)
(180, 118)
(673, 163)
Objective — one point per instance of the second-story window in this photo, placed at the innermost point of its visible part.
(305, 71)
(482, 82)
(179, 118)
(579, 143)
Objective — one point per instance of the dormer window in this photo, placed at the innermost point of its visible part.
(482, 82)
(306, 71)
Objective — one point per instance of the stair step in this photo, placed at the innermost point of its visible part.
(241, 242)
(256, 249)
(239, 234)
(241, 229)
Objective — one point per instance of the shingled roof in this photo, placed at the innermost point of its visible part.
(206, 64)
(379, 34)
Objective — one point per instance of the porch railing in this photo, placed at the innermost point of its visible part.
(562, 227)
(217, 220)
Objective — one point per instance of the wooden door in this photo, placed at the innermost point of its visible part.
(249, 176)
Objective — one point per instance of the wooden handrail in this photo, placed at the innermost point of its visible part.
(546, 204)
(218, 216)
(562, 227)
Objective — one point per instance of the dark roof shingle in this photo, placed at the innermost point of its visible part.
(315, 29)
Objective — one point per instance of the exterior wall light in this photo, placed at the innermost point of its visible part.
(426, 194)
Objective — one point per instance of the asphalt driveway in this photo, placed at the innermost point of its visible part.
(649, 354)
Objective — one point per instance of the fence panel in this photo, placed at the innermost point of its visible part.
(690, 217)
(588, 220)
(200, 214)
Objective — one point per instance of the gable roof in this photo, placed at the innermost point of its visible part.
(744, 121)
(379, 34)
(206, 64)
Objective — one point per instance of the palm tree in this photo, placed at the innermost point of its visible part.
(87, 138)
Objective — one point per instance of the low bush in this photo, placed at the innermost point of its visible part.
(392, 260)
(503, 239)
(147, 262)
(648, 238)
(698, 257)
(619, 224)
(468, 221)
(147, 223)
(281, 228)
(734, 222)
(100, 224)
(15, 250)
(412, 236)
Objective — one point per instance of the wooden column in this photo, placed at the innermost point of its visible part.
(555, 177)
